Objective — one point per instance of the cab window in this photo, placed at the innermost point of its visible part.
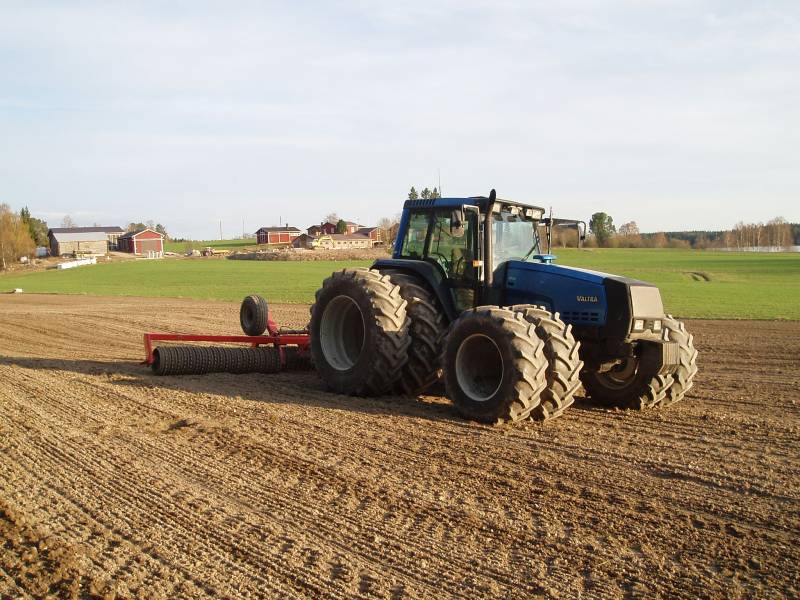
(451, 244)
(414, 242)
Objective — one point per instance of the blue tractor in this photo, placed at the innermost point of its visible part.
(471, 297)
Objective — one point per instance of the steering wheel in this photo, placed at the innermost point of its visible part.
(457, 265)
(444, 260)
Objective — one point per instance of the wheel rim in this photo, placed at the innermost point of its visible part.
(479, 367)
(619, 376)
(342, 333)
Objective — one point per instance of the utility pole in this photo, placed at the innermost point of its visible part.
(220, 229)
(441, 195)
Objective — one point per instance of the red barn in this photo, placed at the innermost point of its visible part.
(277, 235)
(322, 229)
(374, 233)
(141, 242)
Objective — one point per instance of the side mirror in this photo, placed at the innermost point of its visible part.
(457, 222)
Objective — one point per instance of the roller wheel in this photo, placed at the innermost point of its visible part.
(253, 315)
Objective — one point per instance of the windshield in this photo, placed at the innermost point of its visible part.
(514, 238)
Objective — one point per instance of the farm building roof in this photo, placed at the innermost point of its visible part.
(275, 229)
(131, 234)
(86, 230)
(366, 230)
(346, 236)
(80, 236)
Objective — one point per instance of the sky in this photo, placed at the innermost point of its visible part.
(677, 114)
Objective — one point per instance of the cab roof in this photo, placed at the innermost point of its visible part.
(481, 202)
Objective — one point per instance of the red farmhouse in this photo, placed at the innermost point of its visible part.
(141, 242)
(277, 235)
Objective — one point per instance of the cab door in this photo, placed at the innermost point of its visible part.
(453, 246)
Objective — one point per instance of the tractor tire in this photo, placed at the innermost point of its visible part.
(427, 328)
(494, 365)
(626, 386)
(563, 361)
(253, 315)
(359, 332)
(683, 378)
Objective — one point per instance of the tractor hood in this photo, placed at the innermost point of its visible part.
(582, 296)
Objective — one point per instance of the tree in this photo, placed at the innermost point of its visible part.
(425, 194)
(629, 236)
(162, 230)
(133, 227)
(659, 240)
(67, 222)
(36, 227)
(602, 226)
(15, 238)
(341, 226)
(630, 228)
(386, 223)
(332, 218)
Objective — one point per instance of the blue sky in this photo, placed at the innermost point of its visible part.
(675, 114)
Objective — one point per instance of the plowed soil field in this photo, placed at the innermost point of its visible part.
(116, 483)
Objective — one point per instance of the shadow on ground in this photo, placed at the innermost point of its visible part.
(295, 387)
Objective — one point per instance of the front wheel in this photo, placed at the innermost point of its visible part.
(683, 378)
(626, 385)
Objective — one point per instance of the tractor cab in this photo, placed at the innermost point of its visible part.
(465, 245)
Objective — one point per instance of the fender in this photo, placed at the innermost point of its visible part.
(429, 273)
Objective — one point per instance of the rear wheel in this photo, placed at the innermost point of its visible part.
(359, 332)
(563, 361)
(494, 365)
(626, 385)
(427, 328)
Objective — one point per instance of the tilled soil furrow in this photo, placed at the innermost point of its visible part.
(662, 469)
(345, 530)
(169, 455)
(265, 486)
(174, 522)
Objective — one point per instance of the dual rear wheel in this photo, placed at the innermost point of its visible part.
(376, 332)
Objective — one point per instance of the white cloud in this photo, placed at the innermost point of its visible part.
(662, 111)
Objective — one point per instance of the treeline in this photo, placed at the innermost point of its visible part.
(776, 234)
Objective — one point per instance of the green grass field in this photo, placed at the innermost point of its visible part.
(693, 283)
(180, 247)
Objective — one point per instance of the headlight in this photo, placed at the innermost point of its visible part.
(657, 325)
(638, 325)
